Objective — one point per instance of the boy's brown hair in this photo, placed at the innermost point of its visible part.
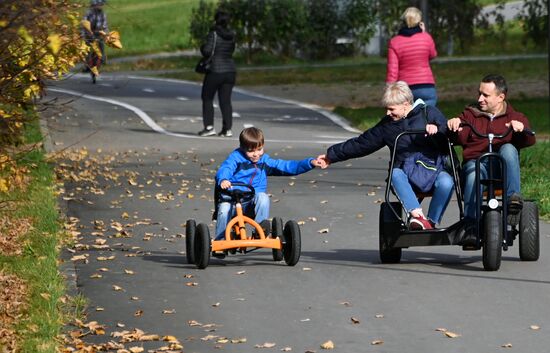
(251, 138)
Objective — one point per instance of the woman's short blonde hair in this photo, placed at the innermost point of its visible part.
(412, 17)
(397, 93)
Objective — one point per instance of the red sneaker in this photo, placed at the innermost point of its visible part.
(419, 223)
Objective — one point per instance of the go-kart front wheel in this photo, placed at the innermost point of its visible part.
(190, 230)
(202, 246)
(388, 225)
(529, 243)
(277, 231)
(292, 246)
(492, 240)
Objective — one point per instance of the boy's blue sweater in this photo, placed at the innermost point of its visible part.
(238, 168)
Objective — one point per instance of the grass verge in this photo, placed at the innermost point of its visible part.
(36, 262)
(359, 69)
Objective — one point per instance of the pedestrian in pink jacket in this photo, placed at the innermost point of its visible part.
(409, 55)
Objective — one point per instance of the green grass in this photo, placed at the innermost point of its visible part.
(149, 26)
(42, 322)
(535, 175)
(352, 70)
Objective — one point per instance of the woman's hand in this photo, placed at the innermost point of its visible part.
(225, 184)
(431, 129)
(323, 161)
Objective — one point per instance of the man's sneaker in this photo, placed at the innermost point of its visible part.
(515, 205)
(207, 132)
(225, 133)
(419, 223)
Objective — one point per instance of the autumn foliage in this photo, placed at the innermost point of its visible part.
(39, 41)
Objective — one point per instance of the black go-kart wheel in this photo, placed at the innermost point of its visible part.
(190, 231)
(202, 246)
(292, 246)
(529, 247)
(492, 240)
(277, 231)
(388, 224)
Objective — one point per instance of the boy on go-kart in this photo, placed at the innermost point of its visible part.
(250, 165)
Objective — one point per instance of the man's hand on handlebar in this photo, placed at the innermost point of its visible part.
(517, 126)
(454, 124)
(225, 184)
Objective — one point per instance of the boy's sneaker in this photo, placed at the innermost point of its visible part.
(266, 226)
(207, 132)
(419, 223)
(219, 254)
(225, 133)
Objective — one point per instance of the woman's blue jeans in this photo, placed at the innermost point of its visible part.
(427, 94)
(226, 211)
(442, 192)
(511, 156)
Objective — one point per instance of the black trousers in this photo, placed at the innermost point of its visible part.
(222, 83)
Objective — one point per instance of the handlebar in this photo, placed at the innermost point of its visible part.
(238, 194)
(498, 136)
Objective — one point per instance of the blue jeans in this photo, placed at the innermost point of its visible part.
(427, 94)
(511, 156)
(226, 211)
(442, 192)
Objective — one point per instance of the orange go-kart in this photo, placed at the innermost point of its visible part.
(243, 234)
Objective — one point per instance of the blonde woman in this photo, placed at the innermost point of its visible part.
(409, 55)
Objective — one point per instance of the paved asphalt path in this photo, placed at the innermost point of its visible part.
(153, 173)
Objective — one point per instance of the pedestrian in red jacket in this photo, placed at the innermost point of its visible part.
(409, 55)
(491, 114)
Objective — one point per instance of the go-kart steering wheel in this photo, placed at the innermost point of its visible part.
(239, 195)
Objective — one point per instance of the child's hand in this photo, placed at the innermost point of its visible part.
(323, 161)
(316, 163)
(225, 184)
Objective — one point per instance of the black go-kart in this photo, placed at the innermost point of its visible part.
(492, 231)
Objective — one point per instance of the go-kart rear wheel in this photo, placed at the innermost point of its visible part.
(277, 231)
(492, 240)
(529, 246)
(190, 230)
(292, 246)
(202, 246)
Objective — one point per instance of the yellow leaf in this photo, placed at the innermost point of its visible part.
(328, 345)
(4, 186)
(87, 25)
(54, 43)
(23, 33)
(3, 23)
(451, 334)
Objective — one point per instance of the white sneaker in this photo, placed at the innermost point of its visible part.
(207, 132)
(225, 133)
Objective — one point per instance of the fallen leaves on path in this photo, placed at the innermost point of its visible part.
(327, 345)
(447, 332)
